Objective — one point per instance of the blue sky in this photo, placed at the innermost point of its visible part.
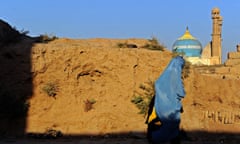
(163, 19)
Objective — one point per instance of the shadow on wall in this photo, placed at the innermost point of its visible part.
(211, 137)
(187, 137)
(15, 80)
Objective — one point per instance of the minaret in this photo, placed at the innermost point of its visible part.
(216, 50)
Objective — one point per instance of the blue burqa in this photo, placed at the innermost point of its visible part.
(169, 91)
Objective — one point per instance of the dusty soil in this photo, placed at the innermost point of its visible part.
(98, 70)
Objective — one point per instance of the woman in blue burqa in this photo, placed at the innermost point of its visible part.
(164, 114)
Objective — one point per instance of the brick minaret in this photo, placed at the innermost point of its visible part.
(216, 50)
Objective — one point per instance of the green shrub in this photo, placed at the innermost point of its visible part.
(153, 45)
(51, 89)
(186, 69)
(143, 100)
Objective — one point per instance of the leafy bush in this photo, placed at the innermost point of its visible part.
(51, 89)
(143, 100)
(186, 69)
(154, 45)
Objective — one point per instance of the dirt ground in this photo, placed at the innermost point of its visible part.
(98, 71)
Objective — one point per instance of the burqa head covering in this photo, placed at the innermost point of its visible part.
(169, 91)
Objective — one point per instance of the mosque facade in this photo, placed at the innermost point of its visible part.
(192, 49)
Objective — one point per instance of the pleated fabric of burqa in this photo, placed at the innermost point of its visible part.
(169, 90)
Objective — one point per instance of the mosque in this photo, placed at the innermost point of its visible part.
(192, 50)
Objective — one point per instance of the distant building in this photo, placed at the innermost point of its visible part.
(191, 48)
